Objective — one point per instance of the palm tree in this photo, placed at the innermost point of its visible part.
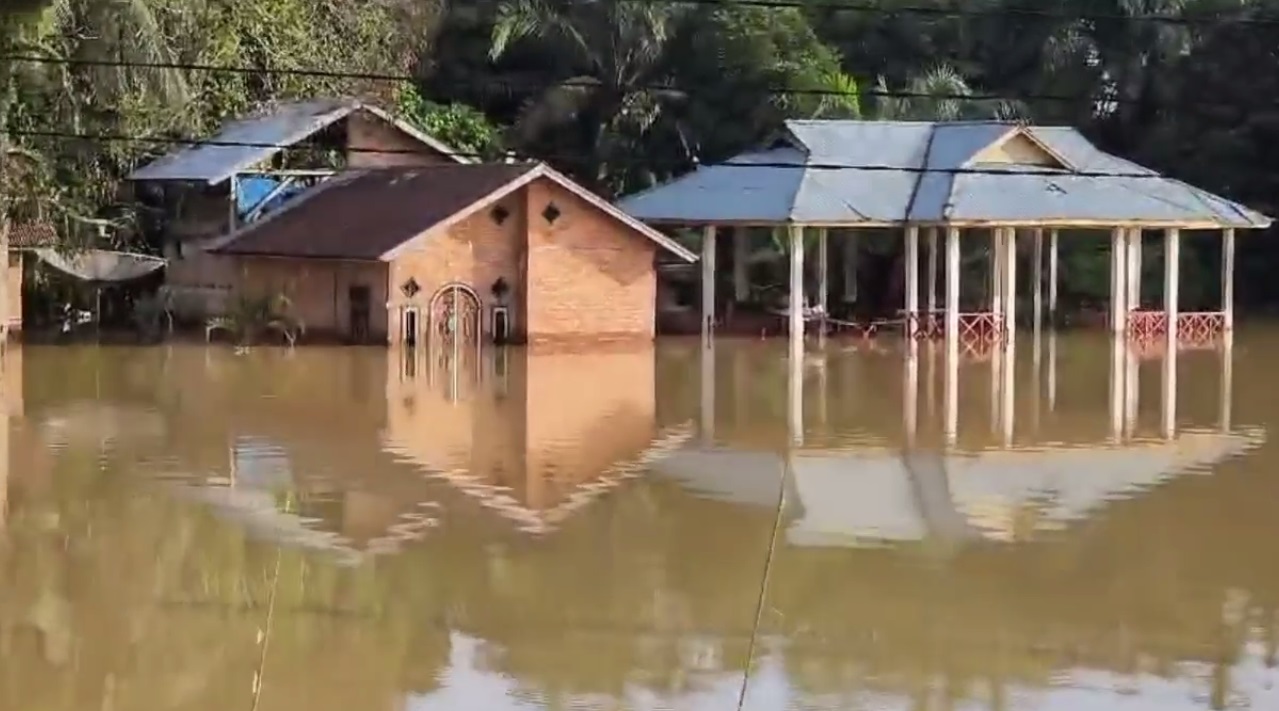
(616, 51)
(939, 94)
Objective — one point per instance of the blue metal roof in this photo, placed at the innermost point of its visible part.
(897, 172)
(246, 142)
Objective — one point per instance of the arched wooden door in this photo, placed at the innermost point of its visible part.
(454, 334)
(454, 317)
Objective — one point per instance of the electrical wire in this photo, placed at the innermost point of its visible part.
(672, 165)
(954, 12)
(498, 84)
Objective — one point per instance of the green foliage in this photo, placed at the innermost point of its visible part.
(249, 318)
(460, 126)
(623, 94)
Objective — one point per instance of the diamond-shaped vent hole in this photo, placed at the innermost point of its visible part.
(551, 213)
(410, 288)
(500, 214)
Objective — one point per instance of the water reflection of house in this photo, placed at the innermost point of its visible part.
(288, 446)
(864, 495)
(537, 435)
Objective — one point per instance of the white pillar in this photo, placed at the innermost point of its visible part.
(706, 413)
(1037, 292)
(795, 362)
(1227, 381)
(1172, 272)
(996, 270)
(1228, 277)
(952, 335)
(932, 271)
(1052, 278)
(708, 282)
(1116, 382)
(1170, 394)
(910, 394)
(1133, 301)
(1132, 389)
(796, 305)
(795, 399)
(1009, 290)
(1118, 272)
(741, 254)
(1052, 371)
(911, 263)
(823, 276)
(1008, 373)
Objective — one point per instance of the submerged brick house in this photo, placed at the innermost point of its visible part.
(458, 253)
(23, 238)
(255, 164)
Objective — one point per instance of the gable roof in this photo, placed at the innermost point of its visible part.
(245, 142)
(372, 214)
(883, 173)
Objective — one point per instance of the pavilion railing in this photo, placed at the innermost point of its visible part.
(1194, 328)
(977, 326)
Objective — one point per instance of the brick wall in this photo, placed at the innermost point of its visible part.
(367, 134)
(319, 291)
(589, 276)
(584, 277)
(475, 252)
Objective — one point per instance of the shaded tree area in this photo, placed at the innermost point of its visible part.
(623, 94)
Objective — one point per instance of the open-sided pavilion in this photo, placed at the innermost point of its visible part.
(998, 178)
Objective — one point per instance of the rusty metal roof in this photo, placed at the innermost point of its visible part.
(366, 214)
(246, 142)
(363, 214)
(29, 235)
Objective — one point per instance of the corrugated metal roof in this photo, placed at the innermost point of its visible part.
(246, 142)
(916, 172)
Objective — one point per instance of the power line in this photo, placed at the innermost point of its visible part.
(198, 142)
(511, 86)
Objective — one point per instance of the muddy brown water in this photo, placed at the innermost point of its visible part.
(191, 528)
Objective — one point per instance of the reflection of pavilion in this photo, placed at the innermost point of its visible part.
(841, 495)
(531, 436)
(837, 498)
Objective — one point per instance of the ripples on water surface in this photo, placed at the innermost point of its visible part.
(338, 529)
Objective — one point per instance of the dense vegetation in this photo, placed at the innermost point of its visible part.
(622, 93)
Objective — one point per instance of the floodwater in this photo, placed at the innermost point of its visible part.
(192, 528)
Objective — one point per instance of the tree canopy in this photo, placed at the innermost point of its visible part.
(625, 93)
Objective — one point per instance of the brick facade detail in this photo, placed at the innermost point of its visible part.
(584, 277)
